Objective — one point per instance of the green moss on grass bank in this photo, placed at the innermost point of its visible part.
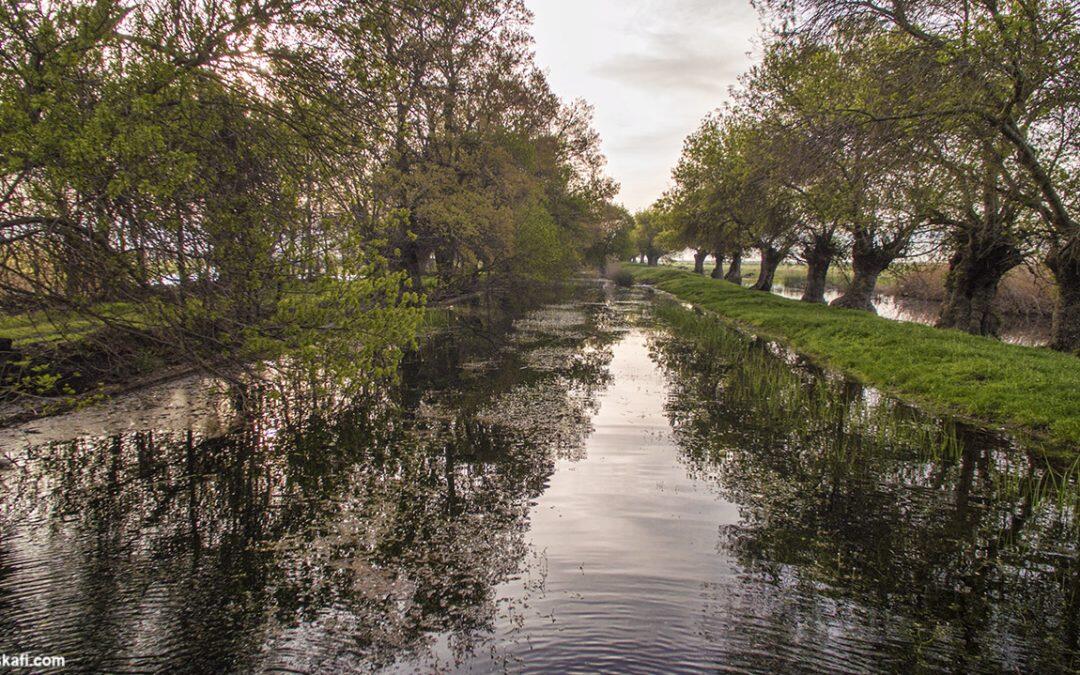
(943, 370)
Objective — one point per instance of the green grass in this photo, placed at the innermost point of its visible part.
(37, 329)
(52, 327)
(942, 370)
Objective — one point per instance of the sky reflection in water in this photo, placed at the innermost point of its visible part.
(568, 487)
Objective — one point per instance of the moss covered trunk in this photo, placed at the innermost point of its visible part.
(860, 293)
(734, 273)
(770, 260)
(868, 261)
(718, 267)
(699, 261)
(818, 252)
(975, 270)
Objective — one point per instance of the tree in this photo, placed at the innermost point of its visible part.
(803, 147)
(478, 145)
(867, 179)
(648, 227)
(1013, 70)
(186, 173)
(612, 238)
(986, 233)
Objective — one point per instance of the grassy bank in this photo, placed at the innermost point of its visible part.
(942, 370)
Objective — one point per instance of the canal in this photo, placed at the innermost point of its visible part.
(602, 481)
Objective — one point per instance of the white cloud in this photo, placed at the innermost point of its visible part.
(651, 68)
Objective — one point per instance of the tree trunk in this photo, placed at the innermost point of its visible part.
(653, 259)
(718, 268)
(868, 261)
(734, 272)
(1065, 333)
(445, 259)
(699, 261)
(975, 270)
(770, 260)
(413, 262)
(860, 294)
(819, 253)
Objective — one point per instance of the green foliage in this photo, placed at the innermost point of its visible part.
(943, 122)
(341, 335)
(277, 180)
(613, 237)
(539, 251)
(648, 234)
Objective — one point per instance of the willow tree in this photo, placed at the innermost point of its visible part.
(711, 182)
(985, 233)
(647, 235)
(804, 147)
(159, 163)
(482, 161)
(1015, 69)
(697, 207)
(835, 99)
(611, 238)
(729, 156)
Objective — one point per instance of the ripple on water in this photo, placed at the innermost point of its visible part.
(596, 496)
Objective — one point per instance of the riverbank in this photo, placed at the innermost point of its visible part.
(1027, 388)
(53, 364)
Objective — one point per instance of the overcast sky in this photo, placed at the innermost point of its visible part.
(651, 68)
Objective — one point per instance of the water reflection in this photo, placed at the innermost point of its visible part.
(892, 539)
(563, 488)
(303, 536)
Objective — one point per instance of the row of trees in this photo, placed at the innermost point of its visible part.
(878, 131)
(275, 171)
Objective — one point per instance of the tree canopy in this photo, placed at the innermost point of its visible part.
(252, 177)
(883, 131)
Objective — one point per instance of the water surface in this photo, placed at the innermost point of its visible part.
(567, 487)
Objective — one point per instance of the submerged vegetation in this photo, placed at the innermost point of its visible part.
(947, 371)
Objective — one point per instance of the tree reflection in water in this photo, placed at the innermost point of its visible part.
(316, 532)
(313, 533)
(861, 519)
